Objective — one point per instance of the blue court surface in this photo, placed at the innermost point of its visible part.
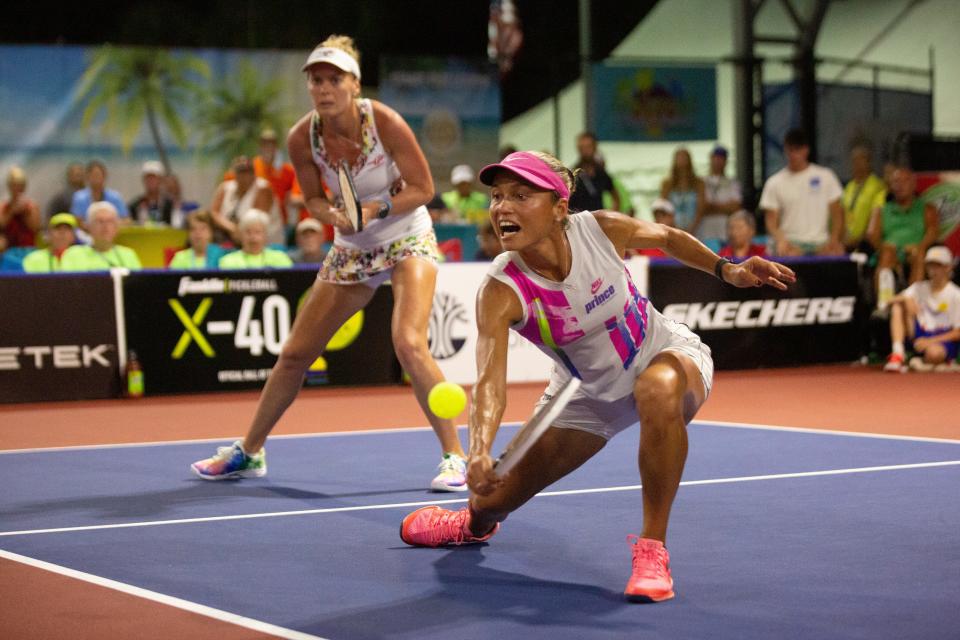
(775, 534)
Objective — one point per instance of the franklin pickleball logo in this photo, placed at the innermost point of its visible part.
(446, 318)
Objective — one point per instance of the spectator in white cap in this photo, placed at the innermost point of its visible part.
(663, 213)
(152, 206)
(927, 313)
(467, 204)
(309, 240)
(254, 252)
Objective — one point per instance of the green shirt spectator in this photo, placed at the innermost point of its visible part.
(466, 203)
(188, 258)
(61, 234)
(83, 257)
(254, 252)
(903, 226)
(266, 258)
(102, 253)
(201, 254)
(859, 200)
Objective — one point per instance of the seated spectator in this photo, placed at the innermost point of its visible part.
(801, 203)
(61, 234)
(243, 193)
(466, 203)
(201, 254)
(663, 213)
(741, 227)
(153, 206)
(592, 178)
(489, 242)
(102, 254)
(254, 253)
(864, 193)
(62, 201)
(722, 198)
(685, 190)
(96, 191)
(928, 314)
(309, 238)
(181, 208)
(269, 166)
(19, 215)
(900, 231)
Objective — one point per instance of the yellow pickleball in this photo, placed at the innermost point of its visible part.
(447, 400)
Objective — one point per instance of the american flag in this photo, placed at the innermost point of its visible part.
(505, 34)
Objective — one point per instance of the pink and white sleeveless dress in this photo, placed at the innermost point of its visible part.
(595, 326)
(369, 256)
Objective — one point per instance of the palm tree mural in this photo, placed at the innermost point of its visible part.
(137, 84)
(237, 109)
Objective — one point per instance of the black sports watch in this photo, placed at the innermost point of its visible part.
(385, 208)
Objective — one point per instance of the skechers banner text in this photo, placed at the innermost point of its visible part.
(748, 314)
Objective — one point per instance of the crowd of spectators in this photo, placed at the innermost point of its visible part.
(256, 218)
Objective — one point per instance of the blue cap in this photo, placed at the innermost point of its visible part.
(720, 151)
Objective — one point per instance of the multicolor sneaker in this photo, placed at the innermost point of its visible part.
(895, 364)
(650, 580)
(232, 462)
(437, 527)
(453, 474)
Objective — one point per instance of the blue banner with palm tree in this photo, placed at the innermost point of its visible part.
(192, 110)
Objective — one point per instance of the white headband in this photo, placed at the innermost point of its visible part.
(337, 57)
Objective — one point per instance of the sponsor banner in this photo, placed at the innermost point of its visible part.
(59, 338)
(814, 322)
(453, 326)
(223, 330)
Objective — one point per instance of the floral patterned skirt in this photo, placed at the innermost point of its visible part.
(344, 265)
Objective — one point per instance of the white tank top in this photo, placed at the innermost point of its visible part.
(375, 176)
(594, 324)
(234, 206)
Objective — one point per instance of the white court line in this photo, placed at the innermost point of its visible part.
(178, 603)
(568, 492)
(366, 432)
(833, 432)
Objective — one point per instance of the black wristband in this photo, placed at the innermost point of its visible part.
(718, 268)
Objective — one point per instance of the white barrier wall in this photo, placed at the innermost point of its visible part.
(453, 325)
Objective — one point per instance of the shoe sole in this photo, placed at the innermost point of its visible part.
(235, 475)
(645, 599)
(439, 487)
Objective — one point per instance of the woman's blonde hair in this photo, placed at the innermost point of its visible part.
(344, 43)
(566, 175)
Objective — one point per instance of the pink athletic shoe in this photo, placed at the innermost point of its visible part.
(650, 580)
(436, 527)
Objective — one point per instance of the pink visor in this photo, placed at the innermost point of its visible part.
(528, 168)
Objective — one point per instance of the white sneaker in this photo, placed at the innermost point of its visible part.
(947, 367)
(917, 364)
(452, 476)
